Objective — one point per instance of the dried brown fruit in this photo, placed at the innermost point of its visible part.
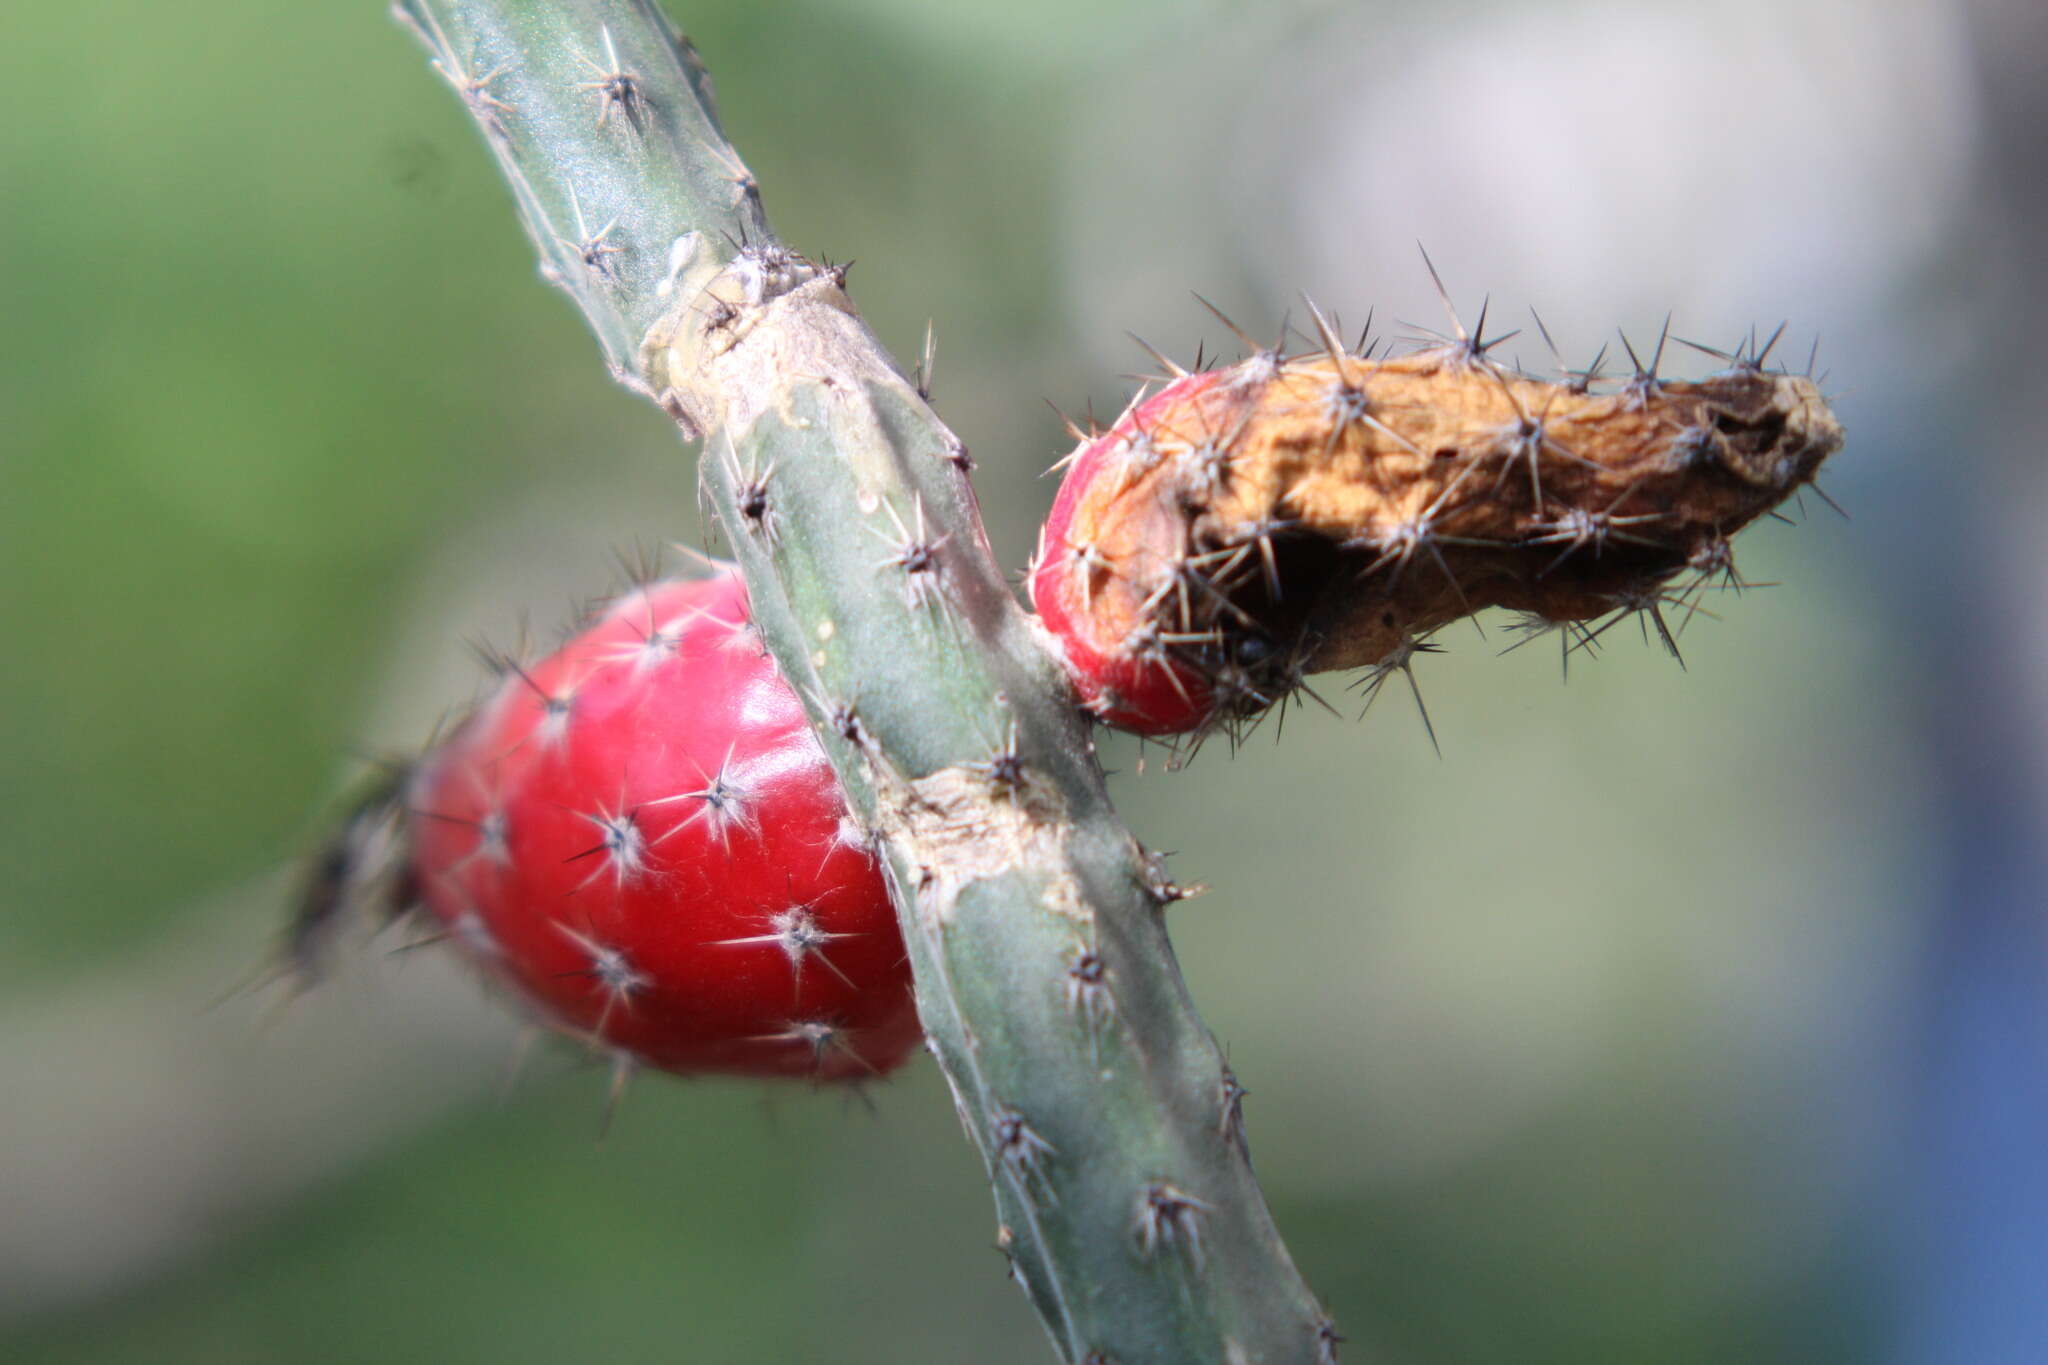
(1246, 526)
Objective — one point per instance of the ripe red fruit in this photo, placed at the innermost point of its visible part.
(641, 836)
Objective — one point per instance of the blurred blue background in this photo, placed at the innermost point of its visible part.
(1671, 1016)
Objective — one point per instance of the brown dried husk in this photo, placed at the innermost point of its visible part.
(1331, 508)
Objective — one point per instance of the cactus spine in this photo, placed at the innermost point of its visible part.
(1102, 1106)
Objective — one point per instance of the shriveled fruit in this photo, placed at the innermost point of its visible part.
(642, 838)
(1243, 527)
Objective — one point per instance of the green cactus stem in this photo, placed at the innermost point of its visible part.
(1109, 1122)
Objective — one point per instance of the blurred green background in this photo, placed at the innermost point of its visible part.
(1671, 1016)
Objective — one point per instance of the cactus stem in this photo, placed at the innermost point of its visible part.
(1044, 979)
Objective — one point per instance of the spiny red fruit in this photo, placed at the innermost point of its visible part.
(641, 836)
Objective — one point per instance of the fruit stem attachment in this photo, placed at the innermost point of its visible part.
(1099, 1101)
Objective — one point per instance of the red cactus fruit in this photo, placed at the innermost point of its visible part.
(641, 837)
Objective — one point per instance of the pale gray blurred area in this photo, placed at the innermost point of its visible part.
(153, 1107)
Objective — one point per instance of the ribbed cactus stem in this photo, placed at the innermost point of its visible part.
(1102, 1106)
(601, 118)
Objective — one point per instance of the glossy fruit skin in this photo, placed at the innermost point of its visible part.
(641, 837)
